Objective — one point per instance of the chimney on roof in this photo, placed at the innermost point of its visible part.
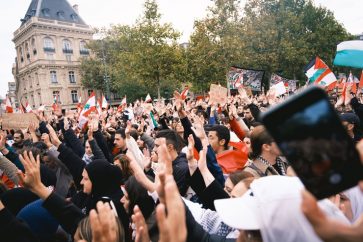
(75, 7)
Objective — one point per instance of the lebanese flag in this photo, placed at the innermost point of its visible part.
(104, 103)
(148, 98)
(122, 105)
(8, 107)
(98, 107)
(28, 108)
(184, 93)
(79, 104)
(88, 108)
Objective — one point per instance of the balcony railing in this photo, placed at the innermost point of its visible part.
(49, 49)
(84, 52)
(67, 51)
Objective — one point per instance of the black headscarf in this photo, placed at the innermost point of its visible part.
(106, 178)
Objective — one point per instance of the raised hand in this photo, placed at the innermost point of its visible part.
(190, 153)
(45, 138)
(53, 136)
(165, 158)
(128, 129)
(103, 224)
(172, 226)
(66, 123)
(31, 178)
(138, 219)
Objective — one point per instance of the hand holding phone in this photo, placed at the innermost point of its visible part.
(311, 136)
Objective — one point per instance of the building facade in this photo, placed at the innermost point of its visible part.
(49, 44)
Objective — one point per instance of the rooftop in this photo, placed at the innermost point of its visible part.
(53, 10)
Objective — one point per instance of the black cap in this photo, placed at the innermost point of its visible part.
(350, 118)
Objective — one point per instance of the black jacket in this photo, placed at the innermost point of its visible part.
(180, 171)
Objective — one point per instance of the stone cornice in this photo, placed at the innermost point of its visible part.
(57, 26)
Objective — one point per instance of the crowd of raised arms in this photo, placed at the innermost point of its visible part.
(167, 171)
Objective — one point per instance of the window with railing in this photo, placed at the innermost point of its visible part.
(74, 96)
(67, 47)
(83, 48)
(48, 45)
(56, 96)
(72, 77)
(53, 77)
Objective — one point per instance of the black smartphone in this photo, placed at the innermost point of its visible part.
(110, 202)
(310, 134)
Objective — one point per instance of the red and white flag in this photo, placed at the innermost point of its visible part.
(41, 108)
(104, 103)
(8, 107)
(148, 98)
(122, 105)
(28, 108)
(88, 108)
(79, 105)
(184, 93)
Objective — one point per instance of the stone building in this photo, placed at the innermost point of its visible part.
(50, 43)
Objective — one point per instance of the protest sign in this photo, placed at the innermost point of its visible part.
(218, 94)
(238, 77)
(18, 120)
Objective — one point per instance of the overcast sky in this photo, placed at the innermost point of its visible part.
(181, 13)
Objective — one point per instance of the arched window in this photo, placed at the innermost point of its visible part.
(74, 96)
(72, 77)
(83, 48)
(33, 47)
(21, 54)
(53, 77)
(46, 12)
(67, 46)
(74, 17)
(27, 51)
(48, 45)
(60, 15)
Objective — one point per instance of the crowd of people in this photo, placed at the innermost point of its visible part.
(187, 170)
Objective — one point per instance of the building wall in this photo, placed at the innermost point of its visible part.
(35, 63)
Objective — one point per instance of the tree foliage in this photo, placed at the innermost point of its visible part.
(278, 36)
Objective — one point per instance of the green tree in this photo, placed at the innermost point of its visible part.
(215, 44)
(284, 35)
(140, 59)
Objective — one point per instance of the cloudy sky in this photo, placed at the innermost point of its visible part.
(181, 13)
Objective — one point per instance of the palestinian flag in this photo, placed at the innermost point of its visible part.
(319, 73)
(349, 53)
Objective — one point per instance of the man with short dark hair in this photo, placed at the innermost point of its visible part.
(120, 141)
(18, 140)
(174, 144)
(351, 123)
(231, 156)
(265, 155)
